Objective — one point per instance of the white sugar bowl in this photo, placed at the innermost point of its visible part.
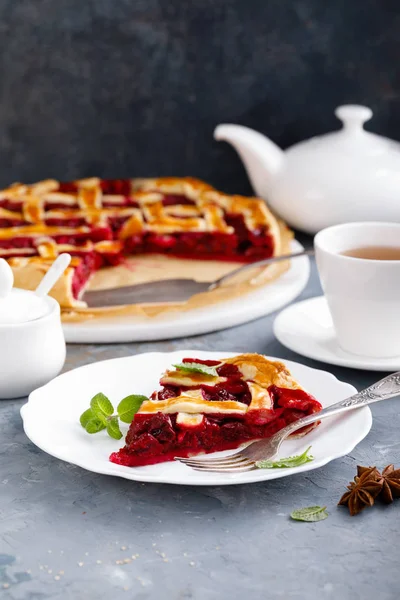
(32, 345)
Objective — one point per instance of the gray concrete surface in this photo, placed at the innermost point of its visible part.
(66, 533)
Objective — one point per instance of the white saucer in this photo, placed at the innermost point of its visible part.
(306, 328)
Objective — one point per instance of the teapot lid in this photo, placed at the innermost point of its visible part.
(352, 139)
(353, 116)
(17, 306)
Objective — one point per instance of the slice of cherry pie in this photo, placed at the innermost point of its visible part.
(211, 405)
(100, 221)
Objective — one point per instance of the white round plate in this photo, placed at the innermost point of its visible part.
(306, 328)
(262, 301)
(51, 419)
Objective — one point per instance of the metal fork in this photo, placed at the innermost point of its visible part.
(245, 459)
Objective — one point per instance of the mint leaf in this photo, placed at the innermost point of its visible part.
(286, 463)
(113, 429)
(129, 406)
(86, 417)
(310, 514)
(197, 368)
(100, 414)
(94, 426)
(101, 406)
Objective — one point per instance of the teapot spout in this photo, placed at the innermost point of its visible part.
(261, 157)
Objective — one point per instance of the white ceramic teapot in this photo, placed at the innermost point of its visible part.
(347, 175)
(32, 345)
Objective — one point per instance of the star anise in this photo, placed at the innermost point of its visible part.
(390, 479)
(363, 490)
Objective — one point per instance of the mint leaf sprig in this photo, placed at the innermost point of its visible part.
(288, 462)
(101, 415)
(197, 368)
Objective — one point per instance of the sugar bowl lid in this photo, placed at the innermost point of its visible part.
(18, 306)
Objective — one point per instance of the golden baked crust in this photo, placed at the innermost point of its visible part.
(32, 205)
(263, 371)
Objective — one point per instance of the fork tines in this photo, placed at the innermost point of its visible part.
(235, 463)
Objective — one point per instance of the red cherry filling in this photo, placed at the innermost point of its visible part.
(12, 223)
(293, 403)
(82, 272)
(97, 234)
(12, 206)
(199, 361)
(173, 199)
(168, 391)
(293, 399)
(52, 222)
(20, 242)
(228, 370)
(67, 187)
(205, 246)
(234, 390)
(116, 186)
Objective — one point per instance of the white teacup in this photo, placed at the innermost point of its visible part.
(363, 295)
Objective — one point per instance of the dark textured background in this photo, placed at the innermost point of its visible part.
(135, 87)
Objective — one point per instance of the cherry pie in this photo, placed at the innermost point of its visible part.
(210, 405)
(100, 221)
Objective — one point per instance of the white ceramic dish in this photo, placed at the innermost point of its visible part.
(31, 353)
(32, 346)
(363, 295)
(261, 302)
(59, 433)
(306, 328)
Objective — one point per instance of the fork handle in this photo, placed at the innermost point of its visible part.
(386, 388)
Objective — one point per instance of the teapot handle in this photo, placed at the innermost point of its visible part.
(353, 116)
